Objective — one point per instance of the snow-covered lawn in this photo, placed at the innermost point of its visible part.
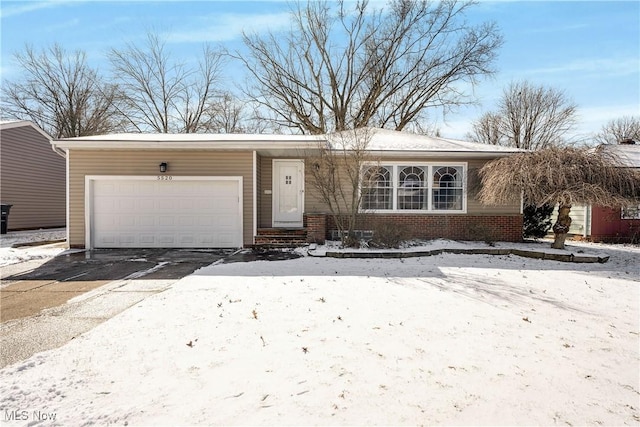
(447, 339)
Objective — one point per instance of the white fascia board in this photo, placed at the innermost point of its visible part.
(183, 145)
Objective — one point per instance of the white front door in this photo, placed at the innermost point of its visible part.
(288, 193)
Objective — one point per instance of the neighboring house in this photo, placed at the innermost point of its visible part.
(600, 224)
(32, 177)
(215, 190)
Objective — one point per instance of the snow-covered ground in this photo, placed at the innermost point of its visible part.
(446, 339)
(10, 255)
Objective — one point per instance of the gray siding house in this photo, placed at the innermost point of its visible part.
(32, 177)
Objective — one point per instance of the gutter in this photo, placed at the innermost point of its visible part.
(58, 151)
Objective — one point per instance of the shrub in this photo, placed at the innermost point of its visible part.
(536, 220)
(481, 232)
(388, 234)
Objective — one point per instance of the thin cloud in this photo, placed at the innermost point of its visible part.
(230, 26)
(602, 66)
(595, 117)
(20, 8)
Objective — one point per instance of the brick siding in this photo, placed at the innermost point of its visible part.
(316, 225)
(506, 228)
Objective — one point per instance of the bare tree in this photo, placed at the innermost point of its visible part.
(529, 117)
(60, 93)
(229, 114)
(618, 130)
(560, 175)
(164, 96)
(487, 129)
(226, 115)
(337, 176)
(340, 69)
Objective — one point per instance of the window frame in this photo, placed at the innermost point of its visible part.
(374, 189)
(429, 168)
(625, 216)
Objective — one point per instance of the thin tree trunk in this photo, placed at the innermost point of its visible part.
(561, 227)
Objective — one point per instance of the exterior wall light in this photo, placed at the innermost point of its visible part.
(163, 167)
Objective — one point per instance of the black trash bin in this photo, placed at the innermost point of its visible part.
(4, 217)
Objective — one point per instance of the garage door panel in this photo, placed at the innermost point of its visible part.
(147, 239)
(145, 205)
(166, 240)
(104, 204)
(128, 189)
(126, 204)
(166, 221)
(146, 221)
(127, 239)
(108, 240)
(225, 221)
(127, 221)
(179, 213)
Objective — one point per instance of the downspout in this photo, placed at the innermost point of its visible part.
(63, 154)
(255, 195)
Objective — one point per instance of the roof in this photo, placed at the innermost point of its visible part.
(267, 143)
(383, 141)
(8, 123)
(629, 154)
(12, 124)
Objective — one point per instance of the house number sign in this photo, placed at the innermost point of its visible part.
(165, 178)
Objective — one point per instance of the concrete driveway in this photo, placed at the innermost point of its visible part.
(44, 305)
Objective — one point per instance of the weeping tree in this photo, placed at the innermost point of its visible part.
(565, 176)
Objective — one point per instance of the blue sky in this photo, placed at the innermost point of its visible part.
(589, 49)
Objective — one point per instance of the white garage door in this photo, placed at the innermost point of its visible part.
(177, 213)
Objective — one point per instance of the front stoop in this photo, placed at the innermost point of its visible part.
(281, 237)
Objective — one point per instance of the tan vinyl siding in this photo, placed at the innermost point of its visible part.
(32, 179)
(313, 202)
(474, 207)
(259, 194)
(145, 163)
(265, 211)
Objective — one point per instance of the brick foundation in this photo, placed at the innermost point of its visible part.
(280, 237)
(507, 228)
(316, 225)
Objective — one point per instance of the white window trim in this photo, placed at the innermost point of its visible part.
(394, 188)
